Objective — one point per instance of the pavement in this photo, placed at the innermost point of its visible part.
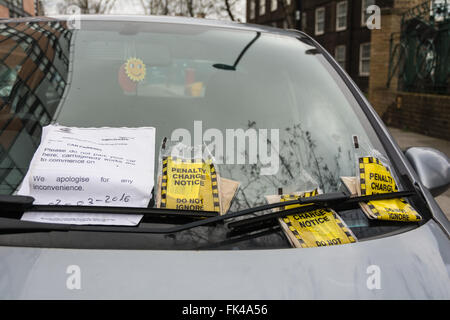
(407, 139)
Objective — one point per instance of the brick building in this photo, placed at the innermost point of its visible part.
(276, 13)
(414, 109)
(338, 25)
(18, 8)
(367, 55)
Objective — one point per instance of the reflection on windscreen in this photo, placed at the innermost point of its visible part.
(33, 71)
(185, 76)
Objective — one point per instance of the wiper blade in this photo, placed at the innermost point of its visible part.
(21, 204)
(15, 203)
(320, 202)
(332, 200)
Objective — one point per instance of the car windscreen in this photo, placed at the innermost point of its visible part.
(275, 114)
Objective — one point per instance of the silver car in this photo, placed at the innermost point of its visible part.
(199, 76)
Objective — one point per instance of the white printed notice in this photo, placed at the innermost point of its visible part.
(91, 167)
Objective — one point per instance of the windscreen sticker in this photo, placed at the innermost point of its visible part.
(189, 185)
(375, 178)
(135, 69)
(317, 228)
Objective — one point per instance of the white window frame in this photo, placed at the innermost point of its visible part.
(316, 31)
(252, 9)
(344, 15)
(364, 6)
(273, 5)
(344, 58)
(363, 59)
(262, 7)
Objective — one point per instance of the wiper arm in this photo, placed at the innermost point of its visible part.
(19, 225)
(332, 200)
(319, 202)
(15, 203)
(21, 204)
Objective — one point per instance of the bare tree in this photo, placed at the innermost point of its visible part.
(88, 6)
(156, 7)
(40, 8)
(228, 6)
(224, 9)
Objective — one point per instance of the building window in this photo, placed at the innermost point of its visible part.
(252, 9)
(304, 21)
(320, 21)
(341, 16)
(339, 55)
(262, 7)
(273, 5)
(364, 15)
(288, 2)
(364, 60)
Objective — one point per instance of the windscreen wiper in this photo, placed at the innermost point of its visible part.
(319, 202)
(328, 200)
(21, 204)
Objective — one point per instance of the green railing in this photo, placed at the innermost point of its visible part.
(420, 53)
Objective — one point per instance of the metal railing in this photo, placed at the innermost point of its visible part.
(420, 53)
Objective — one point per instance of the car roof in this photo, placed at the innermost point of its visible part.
(165, 19)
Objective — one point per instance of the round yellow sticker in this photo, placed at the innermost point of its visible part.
(135, 69)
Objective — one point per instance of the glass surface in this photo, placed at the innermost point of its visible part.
(196, 77)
